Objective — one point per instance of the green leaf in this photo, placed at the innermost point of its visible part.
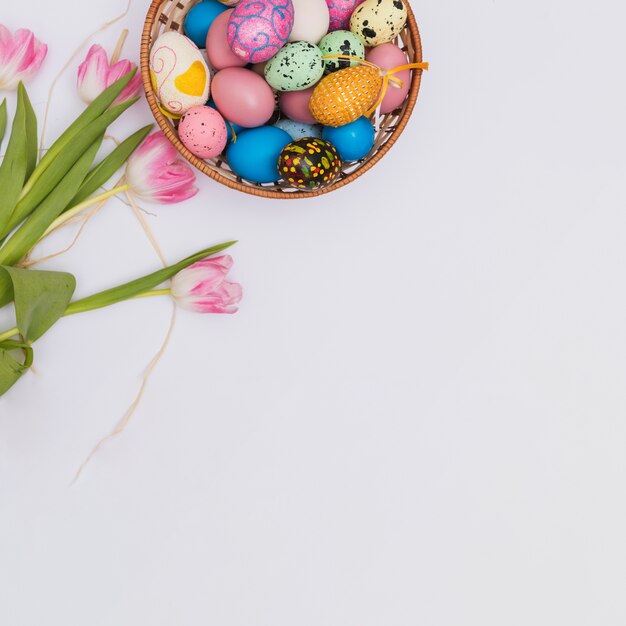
(3, 119)
(89, 115)
(11, 370)
(29, 233)
(31, 131)
(139, 286)
(40, 299)
(15, 164)
(104, 170)
(6, 289)
(66, 159)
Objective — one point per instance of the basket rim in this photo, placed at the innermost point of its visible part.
(262, 192)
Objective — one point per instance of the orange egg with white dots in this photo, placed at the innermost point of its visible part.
(309, 163)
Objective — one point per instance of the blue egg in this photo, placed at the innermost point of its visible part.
(298, 130)
(353, 141)
(230, 127)
(254, 156)
(200, 18)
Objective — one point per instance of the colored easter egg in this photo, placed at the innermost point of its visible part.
(257, 29)
(230, 3)
(179, 73)
(232, 130)
(203, 132)
(353, 141)
(297, 66)
(243, 97)
(295, 105)
(340, 12)
(309, 163)
(389, 56)
(255, 153)
(378, 21)
(311, 20)
(298, 130)
(346, 95)
(218, 50)
(344, 43)
(199, 20)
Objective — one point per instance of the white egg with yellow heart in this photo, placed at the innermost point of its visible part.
(179, 73)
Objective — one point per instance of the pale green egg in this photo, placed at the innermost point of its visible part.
(341, 42)
(295, 67)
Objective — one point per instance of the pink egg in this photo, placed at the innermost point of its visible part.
(243, 97)
(389, 56)
(203, 132)
(219, 52)
(295, 105)
(340, 12)
(258, 29)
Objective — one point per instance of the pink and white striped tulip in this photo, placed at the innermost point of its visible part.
(203, 288)
(21, 56)
(157, 173)
(95, 74)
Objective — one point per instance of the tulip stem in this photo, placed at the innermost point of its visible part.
(70, 213)
(76, 308)
(154, 292)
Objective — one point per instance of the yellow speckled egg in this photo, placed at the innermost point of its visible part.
(378, 21)
(346, 95)
(180, 75)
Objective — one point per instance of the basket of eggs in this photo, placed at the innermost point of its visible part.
(282, 98)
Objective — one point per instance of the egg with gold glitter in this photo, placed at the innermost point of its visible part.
(309, 163)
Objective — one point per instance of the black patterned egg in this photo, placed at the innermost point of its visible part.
(309, 163)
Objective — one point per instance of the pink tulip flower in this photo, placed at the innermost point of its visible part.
(203, 288)
(157, 173)
(95, 74)
(21, 56)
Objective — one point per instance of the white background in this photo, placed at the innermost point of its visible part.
(418, 415)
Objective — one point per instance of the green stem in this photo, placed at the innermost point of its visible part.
(70, 213)
(8, 334)
(77, 308)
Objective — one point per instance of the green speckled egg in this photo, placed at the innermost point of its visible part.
(295, 67)
(341, 42)
(309, 163)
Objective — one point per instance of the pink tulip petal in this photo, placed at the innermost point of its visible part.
(92, 74)
(21, 56)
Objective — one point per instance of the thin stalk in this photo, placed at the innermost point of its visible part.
(70, 213)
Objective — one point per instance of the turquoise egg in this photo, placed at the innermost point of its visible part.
(353, 141)
(298, 130)
(199, 20)
(254, 156)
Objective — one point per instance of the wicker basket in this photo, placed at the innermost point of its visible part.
(165, 15)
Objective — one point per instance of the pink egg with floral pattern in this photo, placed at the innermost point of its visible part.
(203, 132)
(340, 12)
(258, 29)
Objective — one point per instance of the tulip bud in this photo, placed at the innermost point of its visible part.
(157, 173)
(202, 287)
(21, 56)
(95, 74)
